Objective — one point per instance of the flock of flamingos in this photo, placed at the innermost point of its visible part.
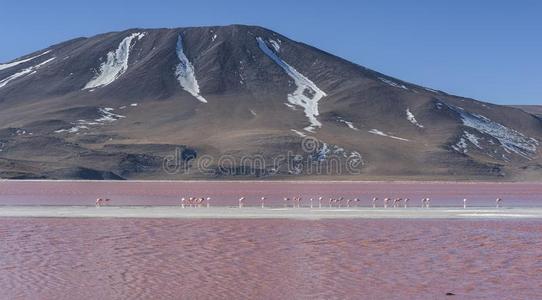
(296, 202)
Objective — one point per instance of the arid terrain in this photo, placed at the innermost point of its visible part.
(239, 102)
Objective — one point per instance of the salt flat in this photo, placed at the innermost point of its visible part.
(173, 212)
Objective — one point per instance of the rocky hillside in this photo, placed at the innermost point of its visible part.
(242, 102)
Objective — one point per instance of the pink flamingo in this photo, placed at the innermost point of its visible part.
(357, 201)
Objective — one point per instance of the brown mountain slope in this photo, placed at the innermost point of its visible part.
(121, 104)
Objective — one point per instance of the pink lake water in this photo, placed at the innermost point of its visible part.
(269, 259)
(227, 193)
(78, 258)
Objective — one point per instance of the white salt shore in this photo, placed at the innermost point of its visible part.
(171, 212)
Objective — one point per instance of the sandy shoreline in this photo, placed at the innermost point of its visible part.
(171, 212)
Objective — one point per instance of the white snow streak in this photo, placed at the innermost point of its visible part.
(185, 73)
(275, 44)
(24, 72)
(378, 132)
(307, 93)
(431, 90)
(392, 83)
(348, 123)
(116, 64)
(412, 119)
(290, 106)
(106, 116)
(301, 134)
(18, 62)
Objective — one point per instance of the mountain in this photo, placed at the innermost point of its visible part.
(242, 102)
(532, 109)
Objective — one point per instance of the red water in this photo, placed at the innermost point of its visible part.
(269, 259)
(227, 193)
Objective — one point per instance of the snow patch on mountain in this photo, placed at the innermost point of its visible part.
(510, 139)
(116, 63)
(18, 62)
(412, 119)
(28, 71)
(347, 123)
(307, 94)
(106, 116)
(393, 83)
(301, 134)
(474, 139)
(431, 90)
(185, 73)
(290, 106)
(378, 132)
(461, 146)
(275, 44)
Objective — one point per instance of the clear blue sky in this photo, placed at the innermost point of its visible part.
(486, 49)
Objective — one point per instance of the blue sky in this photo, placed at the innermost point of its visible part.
(488, 50)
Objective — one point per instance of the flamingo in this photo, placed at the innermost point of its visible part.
(319, 202)
(182, 202)
(406, 202)
(241, 202)
(498, 202)
(208, 202)
(374, 201)
(465, 203)
(263, 202)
